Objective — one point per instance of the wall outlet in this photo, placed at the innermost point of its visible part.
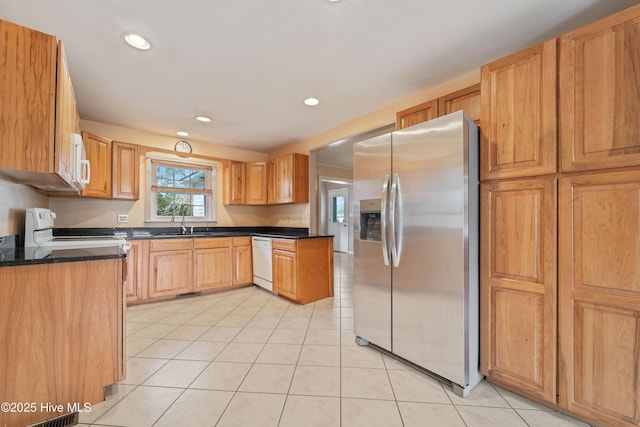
(123, 218)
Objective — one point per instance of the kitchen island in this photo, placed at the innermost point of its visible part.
(62, 330)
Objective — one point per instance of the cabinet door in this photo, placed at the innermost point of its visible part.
(519, 114)
(99, 155)
(212, 268)
(272, 167)
(242, 266)
(126, 171)
(285, 280)
(518, 286)
(27, 96)
(234, 176)
(418, 114)
(256, 185)
(136, 285)
(284, 179)
(467, 99)
(67, 120)
(599, 297)
(599, 100)
(170, 272)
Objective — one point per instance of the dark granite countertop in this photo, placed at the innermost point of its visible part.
(11, 256)
(147, 233)
(29, 256)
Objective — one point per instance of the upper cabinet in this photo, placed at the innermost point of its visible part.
(291, 177)
(99, 155)
(38, 108)
(125, 174)
(599, 98)
(417, 114)
(234, 183)
(519, 114)
(279, 181)
(256, 183)
(467, 99)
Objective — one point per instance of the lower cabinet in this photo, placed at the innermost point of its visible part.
(170, 267)
(137, 259)
(303, 268)
(599, 296)
(160, 269)
(242, 261)
(285, 272)
(212, 268)
(518, 285)
(63, 337)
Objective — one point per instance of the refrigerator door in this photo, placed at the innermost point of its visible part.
(431, 279)
(371, 266)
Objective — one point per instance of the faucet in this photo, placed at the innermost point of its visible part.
(184, 228)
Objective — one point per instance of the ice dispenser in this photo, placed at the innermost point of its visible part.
(370, 226)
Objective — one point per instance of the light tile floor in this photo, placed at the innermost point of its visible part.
(248, 358)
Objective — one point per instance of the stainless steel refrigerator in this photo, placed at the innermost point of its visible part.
(416, 246)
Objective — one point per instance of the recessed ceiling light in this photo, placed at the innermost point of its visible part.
(204, 119)
(182, 133)
(137, 41)
(311, 102)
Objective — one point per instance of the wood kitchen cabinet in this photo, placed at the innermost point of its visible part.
(417, 114)
(63, 335)
(39, 111)
(467, 99)
(599, 100)
(289, 176)
(599, 296)
(212, 263)
(136, 285)
(242, 261)
(170, 267)
(595, 303)
(271, 181)
(519, 129)
(518, 285)
(284, 268)
(125, 174)
(234, 183)
(303, 268)
(256, 183)
(99, 155)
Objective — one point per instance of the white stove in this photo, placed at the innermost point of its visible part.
(38, 234)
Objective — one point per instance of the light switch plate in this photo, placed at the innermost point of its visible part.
(123, 218)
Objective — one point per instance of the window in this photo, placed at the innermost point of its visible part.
(176, 189)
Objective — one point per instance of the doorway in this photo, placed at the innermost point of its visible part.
(338, 216)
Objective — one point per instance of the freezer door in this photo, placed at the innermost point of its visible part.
(371, 274)
(430, 202)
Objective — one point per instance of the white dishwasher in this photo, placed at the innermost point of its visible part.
(262, 271)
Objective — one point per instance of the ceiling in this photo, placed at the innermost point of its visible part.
(249, 64)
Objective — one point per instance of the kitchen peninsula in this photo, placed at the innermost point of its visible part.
(164, 263)
(62, 328)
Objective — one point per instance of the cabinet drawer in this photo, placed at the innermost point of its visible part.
(285, 244)
(170, 244)
(212, 242)
(242, 241)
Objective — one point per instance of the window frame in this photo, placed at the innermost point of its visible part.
(210, 191)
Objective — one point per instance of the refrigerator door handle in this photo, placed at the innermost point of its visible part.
(395, 211)
(383, 219)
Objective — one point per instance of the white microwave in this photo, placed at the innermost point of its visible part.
(81, 168)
